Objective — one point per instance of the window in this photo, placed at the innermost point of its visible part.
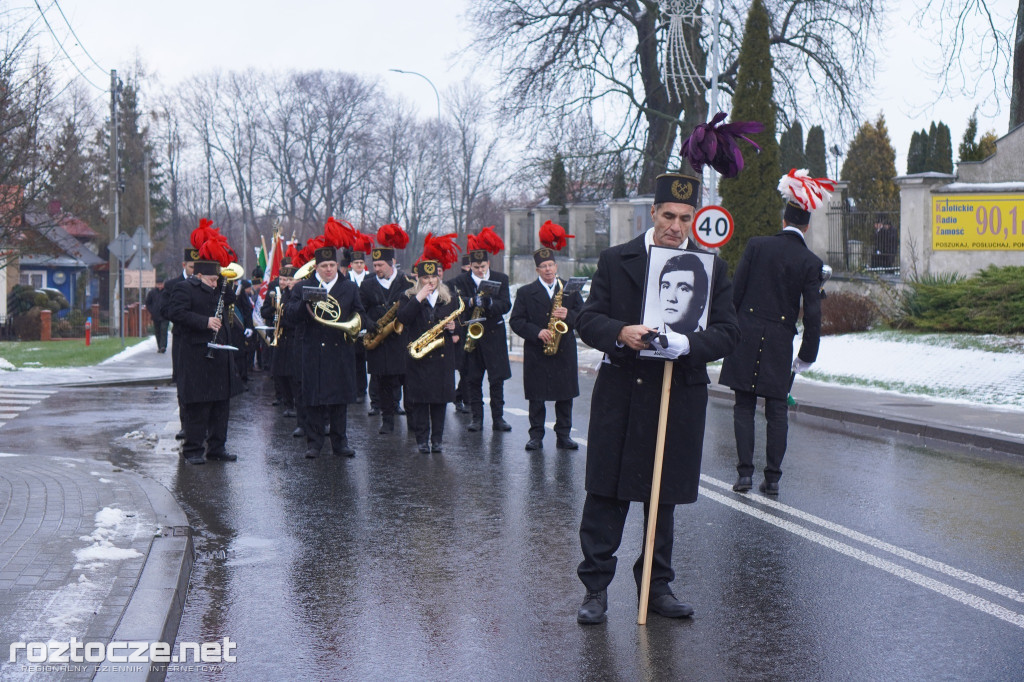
(32, 279)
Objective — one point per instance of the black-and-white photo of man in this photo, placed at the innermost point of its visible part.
(676, 301)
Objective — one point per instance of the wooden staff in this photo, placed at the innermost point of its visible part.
(652, 513)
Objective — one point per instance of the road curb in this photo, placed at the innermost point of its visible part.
(154, 610)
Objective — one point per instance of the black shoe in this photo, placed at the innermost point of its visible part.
(594, 609)
(534, 444)
(298, 432)
(374, 411)
(423, 448)
(476, 425)
(743, 484)
(344, 450)
(668, 606)
(180, 435)
(435, 447)
(312, 453)
(567, 443)
(769, 487)
(222, 457)
(196, 459)
(161, 350)
(399, 411)
(289, 413)
(501, 425)
(461, 408)
(387, 426)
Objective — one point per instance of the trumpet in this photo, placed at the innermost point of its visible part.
(433, 337)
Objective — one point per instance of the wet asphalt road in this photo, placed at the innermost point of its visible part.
(879, 561)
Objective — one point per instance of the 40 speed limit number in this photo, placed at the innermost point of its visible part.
(712, 227)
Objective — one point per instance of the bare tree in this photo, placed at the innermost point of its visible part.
(469, 159)
(558, 57)
(978, 46)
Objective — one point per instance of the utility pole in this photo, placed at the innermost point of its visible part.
(115, 186)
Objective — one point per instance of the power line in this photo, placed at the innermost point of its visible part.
(61, 46)
(77, 39)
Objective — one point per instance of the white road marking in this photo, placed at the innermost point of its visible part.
(942, 588)
(14, 401)
(938, 566)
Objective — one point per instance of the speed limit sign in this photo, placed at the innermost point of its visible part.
(712, 226)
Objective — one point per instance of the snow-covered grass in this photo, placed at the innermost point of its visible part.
(975, 368)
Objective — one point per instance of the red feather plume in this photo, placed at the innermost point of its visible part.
(339, 233)
(218, 250)
(364, 242)
(291, 252)
(471, 244)
(553, 236)
(204, 232)
(488, 239)
(392, 236)
(442, 248)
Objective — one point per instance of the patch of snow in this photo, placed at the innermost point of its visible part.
(105, 480)
(141, 347)
(109, 525)
(8, 454)
(32, 364)
(5, 364)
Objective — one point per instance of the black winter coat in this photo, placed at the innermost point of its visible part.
(199, 378)
(430, 379)
(773, 275)
(390, 356)
(155, 304)
(546, 377)
(627, 395)
(494, 343)
(328, 358)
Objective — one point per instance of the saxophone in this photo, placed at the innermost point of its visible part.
(434, 337)
(556, 326)
(385, 326)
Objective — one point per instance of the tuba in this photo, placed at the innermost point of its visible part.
(555, 326)
(434, 337)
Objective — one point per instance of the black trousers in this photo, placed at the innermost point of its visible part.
(160, 332)
(302, 421)
(776, 413)
(563, 418)
(360, 373)
(474, 389)
(317, 417)
(426, 420)
(601, 533)
(283, 390)
(205, 422)
(389, 392)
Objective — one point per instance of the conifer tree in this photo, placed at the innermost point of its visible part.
(791, 149)
(557, 184)
(917, 155)
(870, 167)
(976, 151)
(940, 152)
(752, 197)
(817, 161)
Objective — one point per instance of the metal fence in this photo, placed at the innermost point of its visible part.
(864, 242)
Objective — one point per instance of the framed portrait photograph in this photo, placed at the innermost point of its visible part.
(677, 292)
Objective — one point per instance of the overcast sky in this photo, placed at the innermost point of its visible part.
(179, 38)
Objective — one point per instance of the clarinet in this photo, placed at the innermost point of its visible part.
(220, 311)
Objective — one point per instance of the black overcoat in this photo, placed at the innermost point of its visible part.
(772, 276)
(493, 345)
(430, 379)
(627, 394)
(155, 304)
(328, 358)
(390, 356)
(165, 312)
(281, 362)
(546, 377)
(201, 379)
